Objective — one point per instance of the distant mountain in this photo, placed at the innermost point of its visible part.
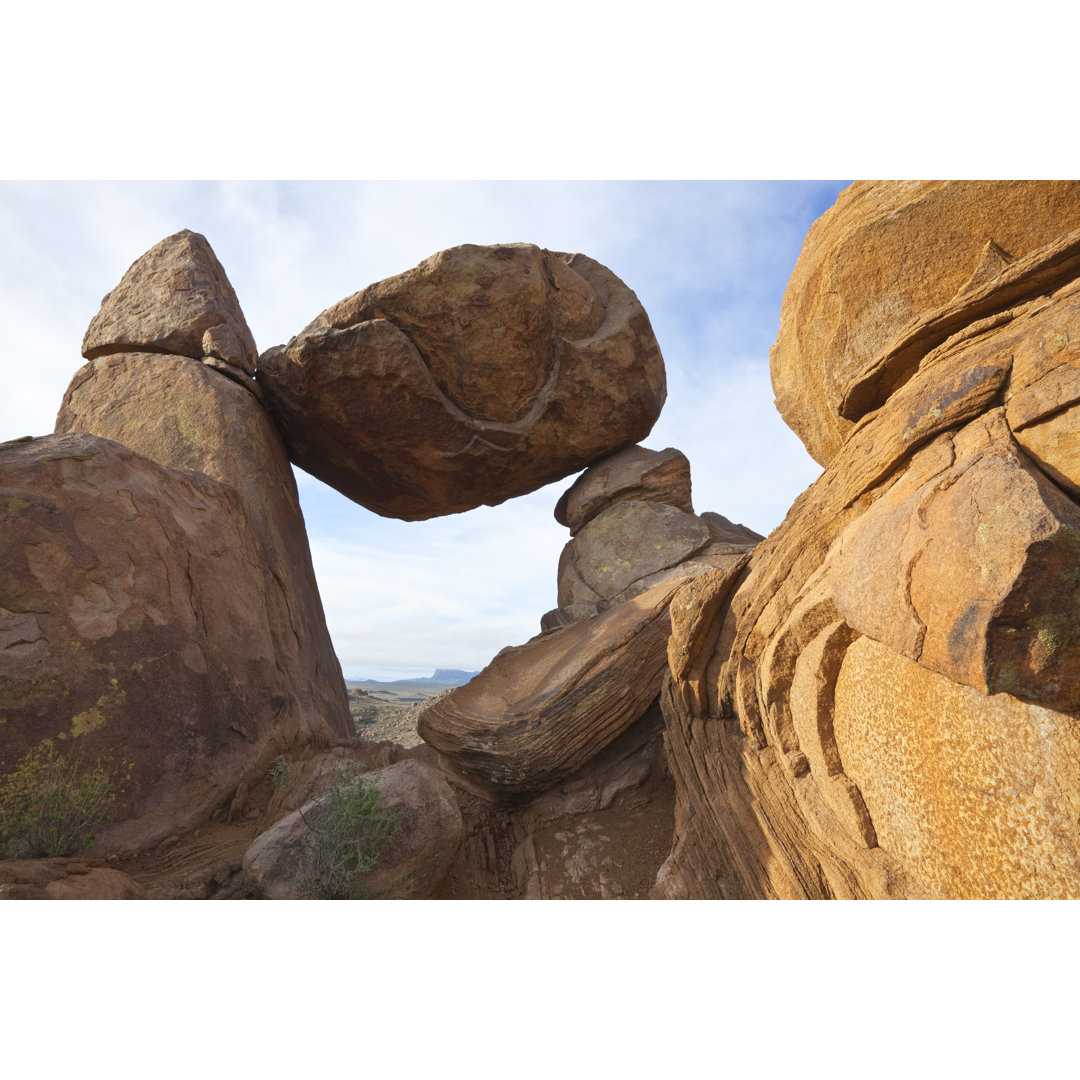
(442, 677)
(451, 676)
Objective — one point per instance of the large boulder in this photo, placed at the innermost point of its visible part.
(139, 624)
(200, 412)
(183, 414)
(539, 711)
(65, 879)
(632, 527)
(632, 547)
(883, 258)
(634, 474)
(281, 863)
(174, 299)
(482, 374)
(883, 704)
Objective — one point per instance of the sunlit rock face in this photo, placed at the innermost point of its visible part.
(481, 374)
(885, 703)
(889, 268)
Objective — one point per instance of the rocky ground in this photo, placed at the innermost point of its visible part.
(379, 721)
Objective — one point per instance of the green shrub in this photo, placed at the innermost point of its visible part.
(280, 773)
(50, 805)
(348, 837)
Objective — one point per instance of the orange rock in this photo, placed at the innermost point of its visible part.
(885, 707)
(886, 254)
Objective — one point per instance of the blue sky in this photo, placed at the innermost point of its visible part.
(709, 260)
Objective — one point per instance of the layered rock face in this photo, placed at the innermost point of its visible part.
(555, 748)
(887, 254)
(539, 711)
(883, 704)
(483, 373)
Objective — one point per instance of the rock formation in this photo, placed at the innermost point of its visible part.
(878, 700)
(280, 863)
(483, 373)
(539, 711)
(158, 595)
(137, 622)
(158, 609)
(176, 300)
(883, 703)
(65, 879)
(633, 527)
(885, 254)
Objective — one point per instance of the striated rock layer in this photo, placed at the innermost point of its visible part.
(483, 373)
(884, 703)
(885, 256)
(539, 711)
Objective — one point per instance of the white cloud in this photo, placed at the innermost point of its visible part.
(708, 260)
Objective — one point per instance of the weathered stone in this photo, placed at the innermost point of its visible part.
(564, 616)
(979, 795)
(184, 415)
(65, 879)
(967, 566)
(138, 622)
(601, 833)
(540, 711)
(885, 705)
(280, 864)
(174, 299)
(632, 547)
(483, 373)
(726, 531)
(884, 256)
(634, 474)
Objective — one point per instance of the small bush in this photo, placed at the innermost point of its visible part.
(349, 836)
(280, 773)
(50, 805)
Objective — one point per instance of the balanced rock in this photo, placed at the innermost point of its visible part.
(883, 703)
(883, 258)
(139, 625)
(539, 711)
(174, 299)
(482, 374)
(280, 864)
(634, 474)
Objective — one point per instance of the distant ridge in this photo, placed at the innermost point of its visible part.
(452, 676)
(442, 677)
